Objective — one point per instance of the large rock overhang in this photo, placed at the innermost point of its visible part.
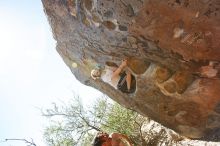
(172, 49)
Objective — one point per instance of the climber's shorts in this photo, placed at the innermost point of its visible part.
(122, 84)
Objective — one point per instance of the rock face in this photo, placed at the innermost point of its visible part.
(172, 46)
(156, 134)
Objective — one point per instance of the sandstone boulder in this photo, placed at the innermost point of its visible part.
(172, 46)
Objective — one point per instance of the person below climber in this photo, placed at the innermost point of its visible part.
(116, 77)
(114, 139)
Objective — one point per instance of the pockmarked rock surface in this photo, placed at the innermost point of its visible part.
(156, 134)
(172, 48)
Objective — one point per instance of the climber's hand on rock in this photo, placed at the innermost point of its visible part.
(124, 63)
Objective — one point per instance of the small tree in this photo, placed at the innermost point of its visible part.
(69, 123)
(73, 125)
(125, 121)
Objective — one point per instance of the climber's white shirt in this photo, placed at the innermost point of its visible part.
(107, 76)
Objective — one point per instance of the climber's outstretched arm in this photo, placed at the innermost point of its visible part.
(119, 69)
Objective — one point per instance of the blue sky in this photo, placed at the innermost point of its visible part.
(32, 73)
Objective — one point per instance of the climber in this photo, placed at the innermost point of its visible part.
(116, 76)
(114, 139)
